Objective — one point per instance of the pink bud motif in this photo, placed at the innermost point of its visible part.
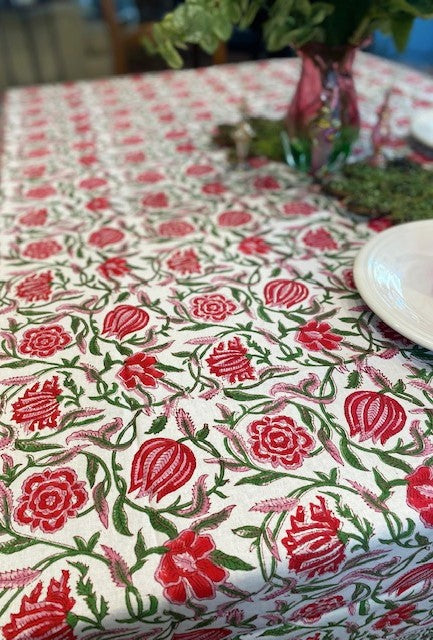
(284, 293)
(124, 319)
(373, 415)
(161, 466)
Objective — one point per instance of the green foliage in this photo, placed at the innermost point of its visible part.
(289, 23)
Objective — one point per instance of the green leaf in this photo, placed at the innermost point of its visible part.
(16, 545)
(158, 424)
(203, 433)
(262, 478)
(349, 456)
(213, 521)
(238, 394)
(140, 546)
(123, 296)
(93, 347)
(230, 562)
(353, 380)
(120, 519)
(159, 523)
(71, 619)
(262, 314)
(124, 351)
(394, 462)
(167, 367)
(92, 468)
(247, 531)
(32, 446)
(401, 26)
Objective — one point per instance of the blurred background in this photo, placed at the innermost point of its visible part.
(63, 40)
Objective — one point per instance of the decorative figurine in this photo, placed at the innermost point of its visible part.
(243, 134)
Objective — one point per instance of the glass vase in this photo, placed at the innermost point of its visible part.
(323, 121)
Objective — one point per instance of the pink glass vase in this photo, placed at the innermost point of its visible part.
(323, 118)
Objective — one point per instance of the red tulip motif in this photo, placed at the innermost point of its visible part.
(124, 319)
(373, 415)
(284, 293)
(161, 466)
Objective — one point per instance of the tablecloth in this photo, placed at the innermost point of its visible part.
(205, 432)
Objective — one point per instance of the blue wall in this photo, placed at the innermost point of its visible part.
(419, 51)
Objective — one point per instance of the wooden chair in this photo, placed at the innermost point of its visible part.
(125, 40)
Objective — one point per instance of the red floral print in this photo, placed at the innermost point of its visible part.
(98, 204)
(105, 236)
(175, 228)
(38, 407)
(34, 218)
(184, 261)
(43, 342)
(392, 335)
(312, 542)
(92, 183)
(266, 182)
(43, 619)
(254, 245)
(320, 239)
(161, 466)
(348, 279)
(414, 577)
(395, 616)
(186, 570)
(35, 287)
(158, 200)
(49, 499)
(212, 307)
(234, 218)
(124, 319)
(139, 369)
(199, 169)
(213, 188)
(135, 157)
(380, 224)
(149, 177)
(39, 193)
(280, 441)
(420, 493)
(298, 208)
(374, 415)
(203, 634)
(313, 612)
(113, 267)
(41, 249)
(230, 361)
(34, 171)
(187, 147)
(88, 160)
(317, 336)
(285, 293)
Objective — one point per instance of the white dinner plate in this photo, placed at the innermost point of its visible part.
(422, 127)
(394, 275)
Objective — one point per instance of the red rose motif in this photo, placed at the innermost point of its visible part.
(284, 293)
(392, 335)
(231, 361)
(314, 611)
(135, 157)
(44, 341)
(38, 193)
(420, 493)
(49, 499)
(38, 407)
(421, 574)
(159, 200)
(161, 466)
(212, 307)
(199, 169)
(124, 319)
(298, 209)
(139, 369)
(188, 147)
(187, 570)
(38, 153)
(266, 182)
(280, 441)
(35, 287)
(184, 261)
(88, 160)
(34, 218)
(213, 188)
(380, 224)
(175, 228)
(312, 543)
(43, 619)
(348, 279)
(395, 616)
(317, 336)
(370, 414)
(253, 246)
(98, 204)
(320, 239)
(234, 218)
(92, 183)
(41, 249)
(149, 177)
(113, 267)
(105, 236)
(35, 171)
(203, 634)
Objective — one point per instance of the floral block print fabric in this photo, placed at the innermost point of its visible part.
(205, 433)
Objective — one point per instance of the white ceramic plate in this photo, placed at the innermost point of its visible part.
(394, 275)
(422, 127)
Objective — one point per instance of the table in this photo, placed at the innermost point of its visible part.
(205, 433)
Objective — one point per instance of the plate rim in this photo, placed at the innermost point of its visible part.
(361, 281)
